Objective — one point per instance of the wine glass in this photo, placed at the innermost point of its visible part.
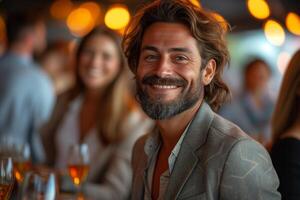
(78, 165)
(20, 153)
(6, 178)
(37, 186)
(22, 162)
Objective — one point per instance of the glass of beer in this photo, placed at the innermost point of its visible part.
(78, 164)
(6, 177)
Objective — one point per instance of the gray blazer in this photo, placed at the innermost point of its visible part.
(217, 160)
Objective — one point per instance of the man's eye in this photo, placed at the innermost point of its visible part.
(181, 59)
(151, 58)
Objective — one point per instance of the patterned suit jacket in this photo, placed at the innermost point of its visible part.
(217, 160)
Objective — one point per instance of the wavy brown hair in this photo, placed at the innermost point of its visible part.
(206, 29)
(288, 102)
(117, 101)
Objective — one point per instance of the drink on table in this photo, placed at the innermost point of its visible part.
(78, 173)
(6, 178)
(78, 165)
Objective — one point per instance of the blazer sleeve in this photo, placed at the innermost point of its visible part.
(248, 173)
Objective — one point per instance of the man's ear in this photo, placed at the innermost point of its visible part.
(208, 72)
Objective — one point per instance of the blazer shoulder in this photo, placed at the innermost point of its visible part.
(248, 173)
(227, 129)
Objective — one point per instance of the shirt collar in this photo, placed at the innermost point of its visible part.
(153, 142)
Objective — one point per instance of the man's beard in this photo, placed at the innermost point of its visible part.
(156, 108)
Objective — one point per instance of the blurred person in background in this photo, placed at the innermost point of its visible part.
(252, 110)
(56, 60)
(101, 113)
(26, 92)
(286, 132)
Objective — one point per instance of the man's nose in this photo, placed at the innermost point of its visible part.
(164, 67)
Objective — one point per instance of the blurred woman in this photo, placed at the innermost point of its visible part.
(286, 132)
(100, 112)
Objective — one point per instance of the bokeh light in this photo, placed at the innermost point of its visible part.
(60, 9)
(283, 61)
(221, 20)
(293, 23)
(274, 32)
(117, 17)
(80, 21)
(258, 8)
(94, 9)
(196, 3)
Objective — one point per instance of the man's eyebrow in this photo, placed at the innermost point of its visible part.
(149, 48)
(179, 49)
(175, 49)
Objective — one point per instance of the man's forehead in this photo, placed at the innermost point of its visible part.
(168, 35)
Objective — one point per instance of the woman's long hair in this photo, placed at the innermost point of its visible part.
(116, 100)
(288, 102)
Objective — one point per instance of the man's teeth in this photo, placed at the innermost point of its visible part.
(165, 86)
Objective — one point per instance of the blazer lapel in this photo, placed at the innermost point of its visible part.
(187, 158)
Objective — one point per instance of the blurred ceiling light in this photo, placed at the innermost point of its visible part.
(258, 8)
(121, 31)
(117, 17)
(196, 3)
(293, 23)
(94, 9)
(80, 21)
(2, 30)
(274, 32)
(60, 9)
(221, 20)
(283, 61)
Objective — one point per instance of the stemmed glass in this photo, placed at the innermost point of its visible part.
(6, 178)
(20, 153)
(37, 186)
(78, 165)
(22, 162)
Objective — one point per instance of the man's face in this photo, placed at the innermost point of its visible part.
(39, 37)
(168, 73)
(258, 77)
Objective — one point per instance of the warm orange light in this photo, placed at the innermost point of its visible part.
(196, 3)
(121, 31)
(258, 8)
(117, 17)
(80, 21)
(76, 181)
(94, 9)
(274, 32)
(221, 20)
(2, 30)
(282, 61)
(60, 9)
(293, 23)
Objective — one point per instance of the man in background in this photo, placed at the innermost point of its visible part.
(26, 92)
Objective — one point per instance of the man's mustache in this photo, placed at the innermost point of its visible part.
(156, 80)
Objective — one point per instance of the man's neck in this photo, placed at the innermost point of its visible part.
(172, 129)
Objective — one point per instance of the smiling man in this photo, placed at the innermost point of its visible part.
(178, 53)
